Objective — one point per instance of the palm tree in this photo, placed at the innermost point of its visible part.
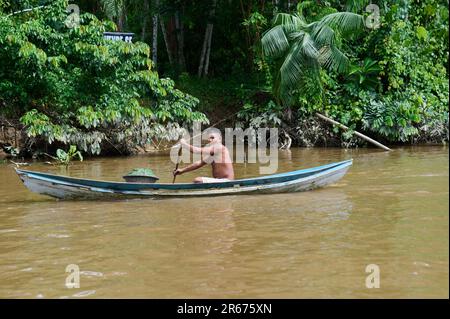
(303, 48)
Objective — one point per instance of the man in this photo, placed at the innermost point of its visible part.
(215, 154)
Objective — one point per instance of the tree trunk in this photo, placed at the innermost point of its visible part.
(121, 20)
(120, 23)
(180, 39)
(206, 49)
(144, 19)
(202, 55)
(166, 41)
(155, 32)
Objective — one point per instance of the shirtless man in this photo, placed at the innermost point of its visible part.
(216, 154)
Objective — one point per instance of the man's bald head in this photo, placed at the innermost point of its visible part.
(213, 135)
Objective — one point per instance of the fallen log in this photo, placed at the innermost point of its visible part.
(364, 137)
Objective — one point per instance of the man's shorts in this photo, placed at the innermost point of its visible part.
(214, 180)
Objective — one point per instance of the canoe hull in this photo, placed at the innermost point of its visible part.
(51, 185)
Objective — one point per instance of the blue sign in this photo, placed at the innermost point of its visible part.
(118, 36)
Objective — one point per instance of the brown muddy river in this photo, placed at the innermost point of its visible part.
(391, 210)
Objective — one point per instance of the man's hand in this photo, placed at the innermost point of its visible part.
(177, 172)
(183, 142)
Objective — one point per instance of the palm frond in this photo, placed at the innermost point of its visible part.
(309, 83)
(292, 68)
(332, 58)
(296, 68)
(308, 47)
(322, 34)
(275, 42)
(287, 19)
(296, 36)
(342, 22)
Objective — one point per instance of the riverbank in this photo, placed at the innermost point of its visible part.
(309, 132)
(244, 102)
(232, 103)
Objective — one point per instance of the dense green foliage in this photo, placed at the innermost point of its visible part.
(408, 98)
(302, 48)
(397, 87)
(72, 86)
(279, 62)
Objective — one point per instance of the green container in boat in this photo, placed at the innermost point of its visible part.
(141, 175)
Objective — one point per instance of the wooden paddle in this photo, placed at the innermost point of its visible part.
(178, 163)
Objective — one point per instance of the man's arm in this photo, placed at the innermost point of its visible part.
(189, 168)
(195, 149)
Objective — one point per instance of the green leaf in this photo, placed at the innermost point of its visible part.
(421, 33)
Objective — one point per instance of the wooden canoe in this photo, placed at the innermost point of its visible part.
(64, 187)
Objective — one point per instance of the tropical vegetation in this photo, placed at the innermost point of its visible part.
(379, 67)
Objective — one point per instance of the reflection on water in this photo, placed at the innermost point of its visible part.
(391, 209)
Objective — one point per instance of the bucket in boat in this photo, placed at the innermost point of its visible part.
(141, 175)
